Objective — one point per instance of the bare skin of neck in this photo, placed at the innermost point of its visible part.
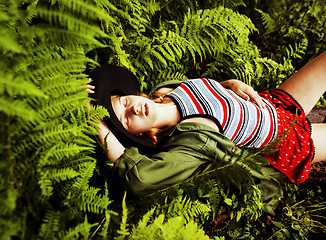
(168, 113)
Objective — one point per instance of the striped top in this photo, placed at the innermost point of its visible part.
(239, 120)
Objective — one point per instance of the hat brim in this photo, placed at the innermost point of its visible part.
(112, 80)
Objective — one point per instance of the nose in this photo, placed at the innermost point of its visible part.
(135, 109)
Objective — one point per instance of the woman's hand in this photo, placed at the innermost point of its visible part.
(243, 90)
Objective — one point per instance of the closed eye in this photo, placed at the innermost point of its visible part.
(125, 119)
(125, 102)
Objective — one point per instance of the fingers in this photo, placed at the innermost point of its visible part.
(255, 96)
(247, 93)
(90, 88)
(242, 94)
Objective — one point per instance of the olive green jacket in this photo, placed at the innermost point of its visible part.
(183, 148)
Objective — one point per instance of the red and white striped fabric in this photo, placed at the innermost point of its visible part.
(239, 120)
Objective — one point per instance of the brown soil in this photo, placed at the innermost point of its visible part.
(317, 115)
(318, 170)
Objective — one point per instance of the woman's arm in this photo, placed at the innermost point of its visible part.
(109, 142)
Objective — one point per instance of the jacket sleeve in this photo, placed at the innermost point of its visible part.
(143, 175)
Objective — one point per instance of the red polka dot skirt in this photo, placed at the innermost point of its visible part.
(296, 151)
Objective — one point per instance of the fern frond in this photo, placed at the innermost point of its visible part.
(50, 225)
(46, 185)
(146, 218)
(89, 11)
(70, 37)
(85, 173)
(14, 94)
(166, 52)
(56, 106)
(81, 230)
(185, 207)
(55, 131)
(190, 230)
(124, 231)
(60, 151)
(173, 228)
(58, 175)
(18, 109)
(75, 162)
(61, 66)
(18, 87)
(8, 42)
(268, 21)
(91, 201)
(116, 42)
(70, 22)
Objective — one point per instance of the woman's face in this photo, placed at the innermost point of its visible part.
(137, 114)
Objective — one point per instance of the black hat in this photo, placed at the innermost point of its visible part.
(112, 80)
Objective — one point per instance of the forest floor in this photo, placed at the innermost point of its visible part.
(317, 115)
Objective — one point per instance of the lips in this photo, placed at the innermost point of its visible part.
(145, 109)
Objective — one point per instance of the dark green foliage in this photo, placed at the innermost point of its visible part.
(52, 186)
(46, 130)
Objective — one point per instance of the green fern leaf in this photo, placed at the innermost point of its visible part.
(91, 201)
(85, 173)
(124, 232)
(69, 22)
(268, 21)
(81, 230)
(50, 225)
